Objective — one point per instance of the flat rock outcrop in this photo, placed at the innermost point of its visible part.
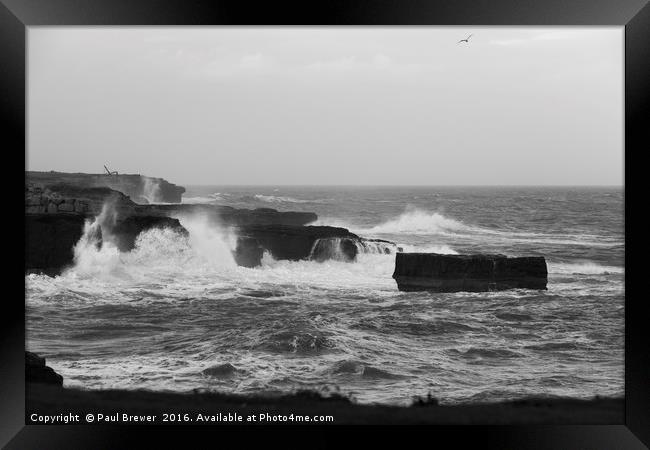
(471, 273)
(37, 372)
(290, 242)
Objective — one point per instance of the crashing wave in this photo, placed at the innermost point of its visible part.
(419, 222)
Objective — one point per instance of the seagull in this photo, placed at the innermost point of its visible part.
(466, 39)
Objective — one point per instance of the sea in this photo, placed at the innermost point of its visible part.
(177, 314)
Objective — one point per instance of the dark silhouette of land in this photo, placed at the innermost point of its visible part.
(44, 399)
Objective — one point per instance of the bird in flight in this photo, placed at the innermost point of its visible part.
(466, 39)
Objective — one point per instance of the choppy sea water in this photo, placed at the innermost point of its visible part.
(159, 316)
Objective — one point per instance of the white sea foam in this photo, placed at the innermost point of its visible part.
(95, 253)
(182, 266)
(583, 268)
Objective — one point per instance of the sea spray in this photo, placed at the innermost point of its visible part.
(151, 190)
(96, 251)
(210, 242)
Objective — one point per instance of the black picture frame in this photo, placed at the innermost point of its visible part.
(634, 15)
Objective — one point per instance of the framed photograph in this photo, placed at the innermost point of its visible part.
(318, 217)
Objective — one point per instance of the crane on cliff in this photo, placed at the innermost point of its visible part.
(108, 172)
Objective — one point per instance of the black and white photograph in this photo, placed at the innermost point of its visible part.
(345, 225)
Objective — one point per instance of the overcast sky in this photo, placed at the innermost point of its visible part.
(312, 105)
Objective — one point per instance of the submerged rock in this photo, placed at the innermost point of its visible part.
(221, 370)
(471, 273)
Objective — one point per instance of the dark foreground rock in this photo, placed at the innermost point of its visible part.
(288, 242)
(471, 273)
(140, 188)
(37, 372)
(49, 400)
(49, 241)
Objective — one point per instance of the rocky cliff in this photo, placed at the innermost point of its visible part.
(141, 189)
(69, 198)
(62, 197)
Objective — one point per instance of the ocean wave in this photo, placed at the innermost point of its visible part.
(474, 352)
(419, 222)
(210, 199)
(280, 199)
(584, 268)
(425, 223)
(297, 342)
